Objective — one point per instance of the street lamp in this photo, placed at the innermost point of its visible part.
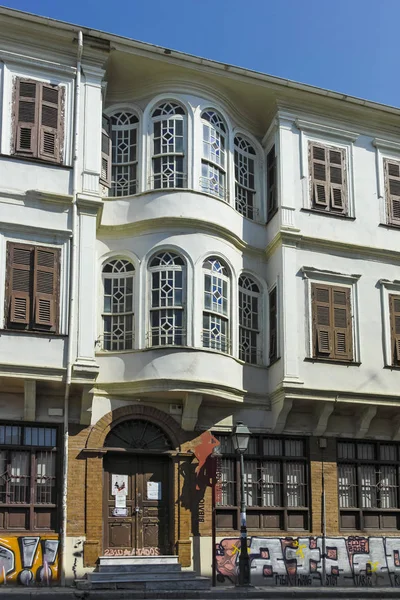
(240, 440)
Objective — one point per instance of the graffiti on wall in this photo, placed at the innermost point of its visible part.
(28, 560)
(300, 561)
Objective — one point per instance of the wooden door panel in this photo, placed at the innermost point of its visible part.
(120, 535)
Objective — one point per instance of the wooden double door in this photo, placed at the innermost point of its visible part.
(136, 505)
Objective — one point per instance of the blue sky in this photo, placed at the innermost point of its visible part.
(350, 46)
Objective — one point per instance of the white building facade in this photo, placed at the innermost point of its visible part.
(185, 245)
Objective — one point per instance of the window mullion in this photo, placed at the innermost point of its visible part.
(32, 481)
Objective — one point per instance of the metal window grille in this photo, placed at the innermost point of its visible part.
(215, 333)
(118, 315)
(213, 170)
(244, 157)
(168, 146)
(249, 326)
(124, 171)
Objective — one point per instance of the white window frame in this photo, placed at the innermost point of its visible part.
(181, 308)
(384, 150)
(312, 275)
(387, 288)
(329, 137)
(212, 165)
(125, 128)
(255, 190)
(261, 327)
(152, 156)
(118, 275)
(212, 313)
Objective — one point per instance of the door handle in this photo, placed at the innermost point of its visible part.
(137, 510)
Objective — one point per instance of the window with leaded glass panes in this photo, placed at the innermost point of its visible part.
(275, 484)
(368, 482)
(168, 156)
(216, 305)
(124, 170)
(28, 478)
(118, 317)
(249, 320)
(245, 186)
(167, 271)
(213, 163)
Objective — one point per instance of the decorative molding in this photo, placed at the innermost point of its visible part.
(22, 59)
(30, 229)
(332, 132)
(389, 145)
(323, 411)
(390, 285)
(91, 182)
(191, 405)
(310, 272)
(280, 409)
(364, 421)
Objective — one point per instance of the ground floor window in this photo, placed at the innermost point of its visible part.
(368, 482)
(275, 484)
(28, 477)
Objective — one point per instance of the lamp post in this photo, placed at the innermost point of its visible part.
(240, 439)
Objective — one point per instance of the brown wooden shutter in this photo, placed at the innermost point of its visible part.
(273, 325)
(337, 189)
(26, 117)
(394, 304)
(392, 177)
(105, 176)
(49, 122)
(342, 327)
(319, 176)
(19, 283)
(46, 287)
(271, 183)
(322, 320)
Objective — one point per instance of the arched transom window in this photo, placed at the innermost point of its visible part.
(124, 172)
(138, 434)
(216, 305)
(168, 156)
(167, 300)
(249, 320)
(117, 315)
(213, 164)
(245, 177)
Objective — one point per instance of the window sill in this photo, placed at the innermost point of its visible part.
(392, 367)
(333, 361)
(327, 213)
(30, 332)
(389, 226)
(38, 161)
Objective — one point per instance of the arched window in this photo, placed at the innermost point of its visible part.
(244, 177)
(118, 305)
(213, 163)
(138, 434)
(216, 305)
(167, 300)
(124, 172)
(168, 155)
(249, 320)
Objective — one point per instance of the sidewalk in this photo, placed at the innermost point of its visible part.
(220, 593)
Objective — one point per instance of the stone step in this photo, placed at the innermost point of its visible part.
(138, 560)
(196, 583)
(115, 576)
(141, 568)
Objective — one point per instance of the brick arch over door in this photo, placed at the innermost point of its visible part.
(125, 413)
(94, 463)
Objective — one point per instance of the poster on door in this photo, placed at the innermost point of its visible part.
(154, 490)
(119, 485)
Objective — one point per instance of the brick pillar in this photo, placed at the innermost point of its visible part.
(94, 510)
(328, 458)
(183, 529)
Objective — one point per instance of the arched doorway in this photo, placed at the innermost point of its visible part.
(136, 491)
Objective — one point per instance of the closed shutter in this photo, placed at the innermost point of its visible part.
(105, 176)
(49, 122)
(46, 287)
(392, 176)
(271, 182)
(19, 283)
(337, 179)
(394, 304)
(26, 117)
(322, 322)
(273, 325)
(342, 330)
(319, 176)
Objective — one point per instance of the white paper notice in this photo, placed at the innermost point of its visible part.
(120, 500)
(154, 490)
(119, 484)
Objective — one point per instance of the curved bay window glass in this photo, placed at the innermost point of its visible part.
(213, 163)
(124, 173)
(216, 305)
(245, 192)
(168, 155)
(249, 320)
(118, 305)
(167, 300)
(138, 434)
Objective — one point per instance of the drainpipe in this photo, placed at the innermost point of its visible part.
(72, 294)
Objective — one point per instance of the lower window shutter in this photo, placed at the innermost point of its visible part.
(392, 176)
(105, 172)
(25, 116)
(342, 323)
(321, 310)
(19, 284)
(49, 122)
(46, 287)
(394, 304)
